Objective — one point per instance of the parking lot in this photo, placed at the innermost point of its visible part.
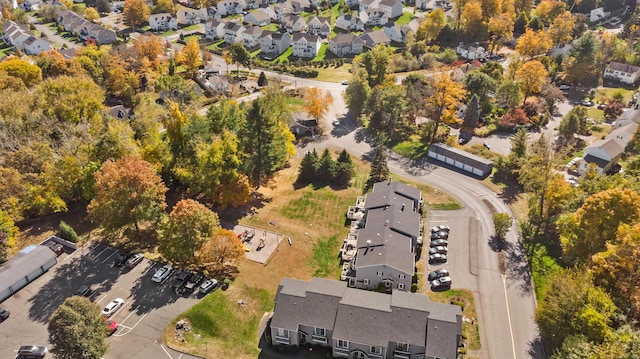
(148, 306)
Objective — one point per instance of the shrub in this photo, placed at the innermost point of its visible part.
(414, 287)
(67, 232)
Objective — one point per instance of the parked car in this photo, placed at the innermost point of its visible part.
(113, 326)
(439, 242)
(84, 291)
(336, 122)
(193, 281)
(134, 260)
(438, 273)
(183, 276)
(586, 103)
(439, 235)
(437, 258)
(208, 285)
(441, 282)
(345, 82)
(564, 87)
(162, 274)
(32, 351)
(121, 258)
(4, 314)
(438, 249)
(601, 106)
(440, 228)
(112, 307)
(57, 248)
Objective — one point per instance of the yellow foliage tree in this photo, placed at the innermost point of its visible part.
(562, 27)
(222, 250)
(501, 28)
(149, 47)
(531, 77)
(534, 43)
(317, 103)
(190, 56)
(441, 104)
(91, 14)
(136, 12)
(431, 26)
(471, 18)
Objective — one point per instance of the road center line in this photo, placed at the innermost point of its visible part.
(506, 299)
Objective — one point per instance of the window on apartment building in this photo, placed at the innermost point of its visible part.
(319, 331)
(343, 344)
(283, 333)
(401, 276)
(400, 286)
(366, 282)
(403, 347)
(375, 350)
(379, 274)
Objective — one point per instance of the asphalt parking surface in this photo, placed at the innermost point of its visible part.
(148, 306)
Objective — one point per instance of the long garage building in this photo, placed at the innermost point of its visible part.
(25, 267)
(463, 160)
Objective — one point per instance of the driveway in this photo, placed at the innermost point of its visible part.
(148, 307)
(56, 40)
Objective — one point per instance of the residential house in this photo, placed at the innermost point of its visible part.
(232, 32)
(598, 14)
(31, 5)
(398, 33)
(305, 45)
(346, 45)
(320, 26)
(393, 8)
(374, 17)
(21, 38)
(217, 84)
(85, 29)
(604, 154)
(352, 3)
(214, 29)
(373, 38)
(433, 4)
(259, 17)
(251, 4)
(387, 238)
(120, 112)
(361, 324)
(231, 7)
(251, 37)
(162, 22)
(282, 9)
(349, 22)
(188, 17)
(298, 6)
(368, 4)
(624, 73)
(471, 51)
(627, 117)
(273, 44)
(293, 23)
(209, 13)
(12, 4)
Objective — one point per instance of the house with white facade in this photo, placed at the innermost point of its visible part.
(293, 23)
(373, 38)
(471, 51)
(598, 14)
(393, 8)
(349, 22)
(320, 26)
(251, 37)
(282, 9)
(374, 17)
(398, 33)
(346, 45)
(209, 13)
(367, 4)
(259, 17)
(21, 38)
(273, 44)
(232, 32)
(162, 22)
(434, 4)
(624, 73)
(305, 45)
(231, 7)
(188, 17)
(361, 324)
(214, 29)
(298, 6)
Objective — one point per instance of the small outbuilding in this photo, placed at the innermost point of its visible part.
(463, 160)
(25, 267)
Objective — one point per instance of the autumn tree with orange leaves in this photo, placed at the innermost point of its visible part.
(221, 251)
(317, 103)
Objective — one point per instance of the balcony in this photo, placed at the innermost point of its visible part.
(319, 338)
(341, 352)
(282, 340)
(401, 354)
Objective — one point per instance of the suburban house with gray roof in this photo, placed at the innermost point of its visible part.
(624, 73)
(346, 45)
(320, 26)
(305, 45)
(381, 250)
(84, 28)
(259, 17)
(20, 37)
(604, 154)
(362, 324)
(373, 38)
(273, 44)
(162, 22)
(349, 22)
(374, 17)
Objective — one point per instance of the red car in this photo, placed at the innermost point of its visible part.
(113, 326)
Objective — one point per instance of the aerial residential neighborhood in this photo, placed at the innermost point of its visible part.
(301, 178)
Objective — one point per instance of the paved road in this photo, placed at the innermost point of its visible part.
(148, 307)
(55, 40)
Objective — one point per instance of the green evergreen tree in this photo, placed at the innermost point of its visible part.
(345, 169)
(379, 169)
(326, 167)
(67, 232)
(471, 114)
(262, 79)
(308, 168)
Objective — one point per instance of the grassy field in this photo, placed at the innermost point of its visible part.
(463, 297)
(404, 19)
(215, 45)
(413, 148)
(321, 52)
(315, 220)
(334, 74)
(609, 92)
(270, 27)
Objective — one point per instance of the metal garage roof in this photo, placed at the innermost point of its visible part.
(23, 264)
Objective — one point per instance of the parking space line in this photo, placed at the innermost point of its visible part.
(112, 254)
(101, 299)
(98, 255)
(166, 352)
(131, 328)
(153, 264)
(130, 314)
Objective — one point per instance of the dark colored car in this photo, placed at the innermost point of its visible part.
(438, 273)
(441, 234)
(121, 258)
(32, 352)
(439, 242)
(193, 281)
(4, 314)
(83, 291)
(438, 258)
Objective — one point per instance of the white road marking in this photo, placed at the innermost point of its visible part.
(506, 299)
(101, 299)
(131, 328)
(165, 350)
(149, 268)
(116, 251)
(98, 255)
(130, 314)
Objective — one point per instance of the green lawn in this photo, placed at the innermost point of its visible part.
(333, 74)
(321, 52)
(285, 56)
(610, 92)
(215, 45)
(5, 51)
(413, 148)
(595, 114)
(270, 27)
(192, 36)
(404, 19)
(256, 52)
(191, 27)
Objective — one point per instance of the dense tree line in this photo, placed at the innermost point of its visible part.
(324, 170)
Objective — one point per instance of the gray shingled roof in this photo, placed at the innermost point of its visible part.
(461, 156)
(439, 334)
(598, 161)
(404, 221)
(618, 66)
(398, 188)
(608, 145)
(385, 255)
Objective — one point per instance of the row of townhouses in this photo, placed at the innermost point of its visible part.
(385, 238)
(84, 28)
(21, 38)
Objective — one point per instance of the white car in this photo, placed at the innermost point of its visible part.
(345, 82)
(564, 87)
(162, 273)
(112, 307)
(336, 122)
(441, 282)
